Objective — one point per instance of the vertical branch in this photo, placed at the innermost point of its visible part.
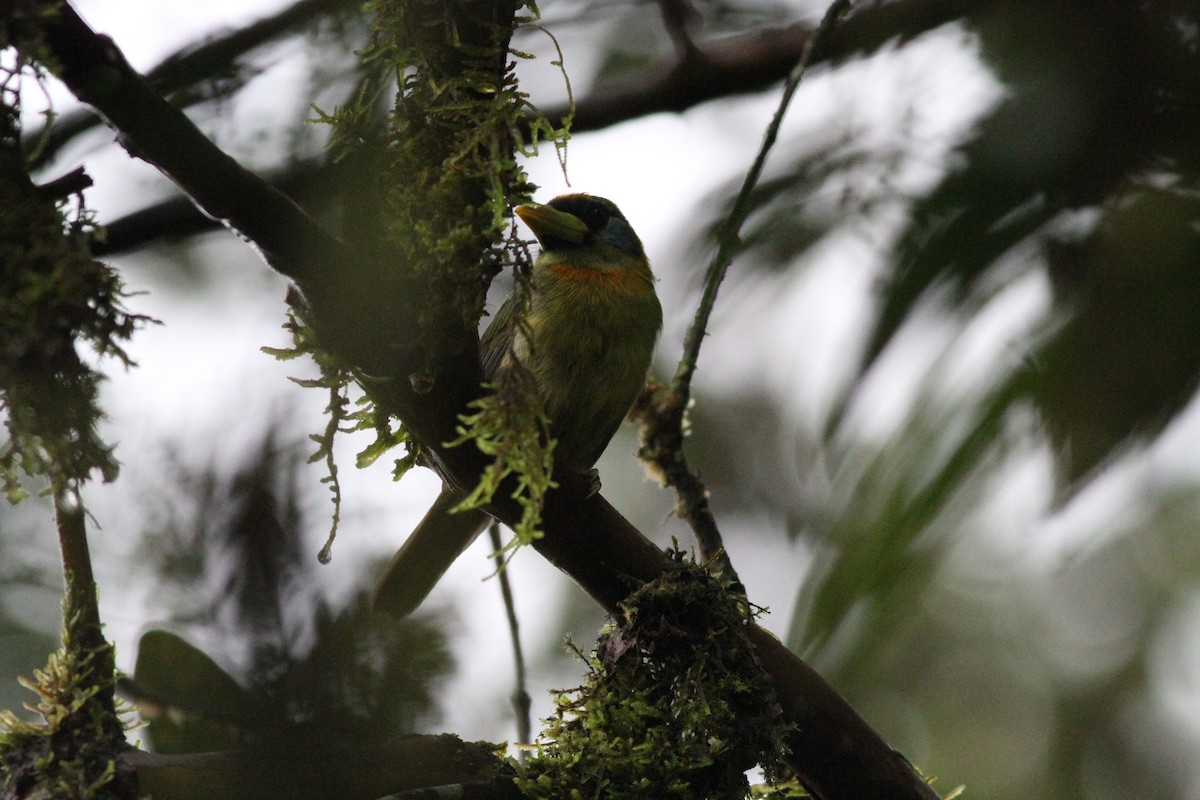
(520, 695)
(83, 634)
(662, 409)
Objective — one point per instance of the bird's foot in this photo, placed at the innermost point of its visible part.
(593, 480)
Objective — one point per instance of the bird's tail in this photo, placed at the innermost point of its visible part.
(438, 539)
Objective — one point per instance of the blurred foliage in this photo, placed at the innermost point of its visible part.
(308, 673)
(1092, 160)
(930, 596)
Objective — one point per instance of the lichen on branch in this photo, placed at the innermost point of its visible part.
(54, 297)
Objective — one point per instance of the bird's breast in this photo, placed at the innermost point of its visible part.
(593, 334)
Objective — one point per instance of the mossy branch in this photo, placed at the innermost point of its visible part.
(54, 299)
(676, 704)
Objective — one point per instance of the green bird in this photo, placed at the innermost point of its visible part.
(592, 323)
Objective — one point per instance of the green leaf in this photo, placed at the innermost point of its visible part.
(194, 700)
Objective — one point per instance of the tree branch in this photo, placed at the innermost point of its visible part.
(733, 65)
(662, 411)
(178, 217)
(835, 753)
(410, 763)
(155, 131)
(182, 69)
(84, 635)
(521, 701)
(754, 61)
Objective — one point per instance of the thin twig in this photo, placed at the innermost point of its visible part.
(729, 238)
(663, 409)
(678, 16)
(520, 695)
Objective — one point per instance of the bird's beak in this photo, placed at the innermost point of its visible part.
(547, 222)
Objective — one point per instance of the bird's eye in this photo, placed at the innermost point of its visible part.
(595, 217)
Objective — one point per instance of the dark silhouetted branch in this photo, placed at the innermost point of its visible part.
(407, 764)
(753, 61)
(196, 62)
(155, 131)
(733, 65)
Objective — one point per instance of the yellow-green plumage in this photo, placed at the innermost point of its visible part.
(592, 322)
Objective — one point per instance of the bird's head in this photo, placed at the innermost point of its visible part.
(582, 228)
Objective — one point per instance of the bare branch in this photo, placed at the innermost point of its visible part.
(521, 701)
(754, 61)
(733, 65)
(183, 68)
(409, 763)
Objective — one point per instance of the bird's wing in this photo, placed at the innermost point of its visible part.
(497, 337)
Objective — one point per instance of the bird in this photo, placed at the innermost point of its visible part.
(591, 326)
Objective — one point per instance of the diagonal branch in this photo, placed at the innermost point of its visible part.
(155, 131)
(189, 65)
(755, 61)
(663, 411)
(697, 73)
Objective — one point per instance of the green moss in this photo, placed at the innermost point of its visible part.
(676, 704)
(71, 751)
(510, 425)
(54, 298)
(445, 180)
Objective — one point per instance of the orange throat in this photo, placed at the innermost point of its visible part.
(622, 281)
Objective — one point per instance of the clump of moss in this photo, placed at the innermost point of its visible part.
(676, 703)
(53, 297)
(509, 424)
(71, 752)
